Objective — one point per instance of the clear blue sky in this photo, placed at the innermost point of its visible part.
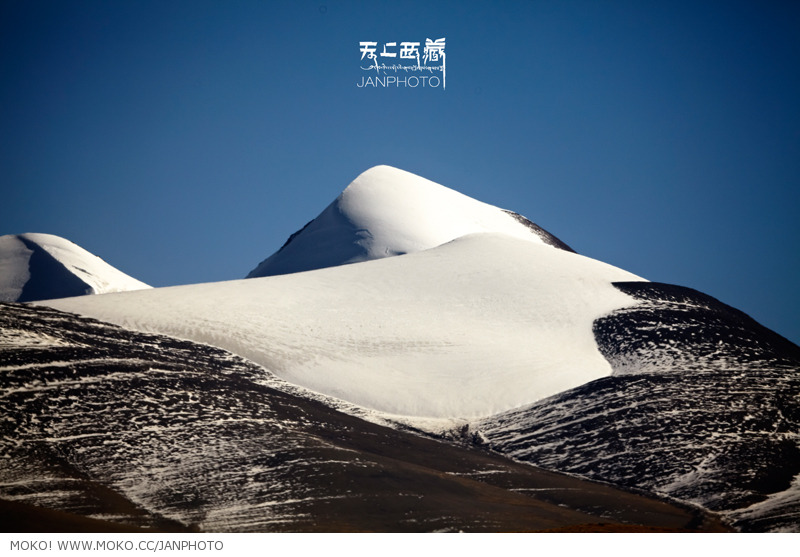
(184, 141)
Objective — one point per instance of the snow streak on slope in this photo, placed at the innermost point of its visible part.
(483, 324)
(386, 212)
(727, 442)
(41, 266)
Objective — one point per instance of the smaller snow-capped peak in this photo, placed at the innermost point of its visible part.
(386, 211)
(43, 266)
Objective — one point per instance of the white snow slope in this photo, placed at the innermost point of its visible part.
(387, 211)
(34, 264)
(484, 323)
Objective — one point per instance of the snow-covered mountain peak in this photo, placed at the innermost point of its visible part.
(386, 211)
(37, 266)
(384, 185)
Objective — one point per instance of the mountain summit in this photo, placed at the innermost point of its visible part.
(386, 211)
(44, 266)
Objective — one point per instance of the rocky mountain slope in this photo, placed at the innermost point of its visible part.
(152, 432)
(703, 407)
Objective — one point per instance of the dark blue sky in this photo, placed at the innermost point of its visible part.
(184, 141)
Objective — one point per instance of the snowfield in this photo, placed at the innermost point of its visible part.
(36, 266)
(482, 324)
